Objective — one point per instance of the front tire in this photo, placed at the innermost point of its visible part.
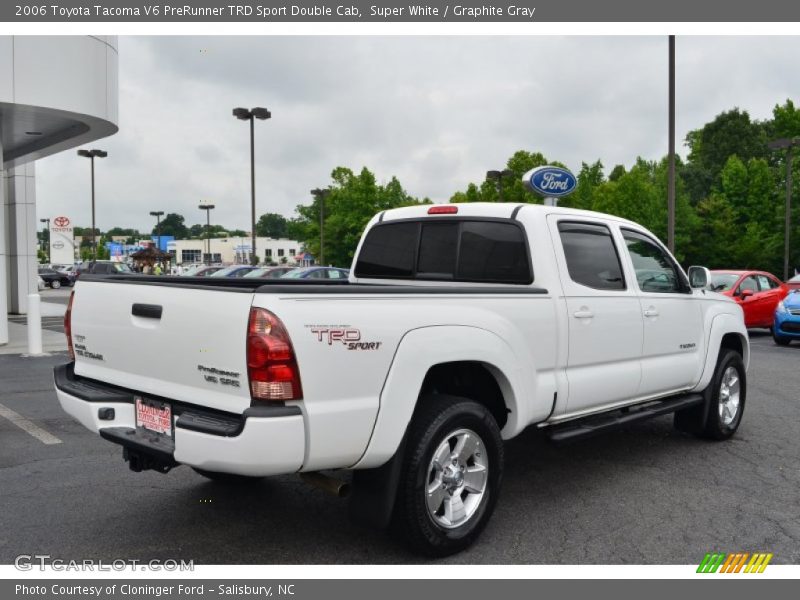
(450, 477)
(780, 340)
(719, 417)
(728, 397)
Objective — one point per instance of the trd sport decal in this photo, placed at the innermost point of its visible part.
(349, 337)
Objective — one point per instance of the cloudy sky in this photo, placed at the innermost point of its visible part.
(437, 112)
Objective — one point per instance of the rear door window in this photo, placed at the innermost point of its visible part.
(591, 255)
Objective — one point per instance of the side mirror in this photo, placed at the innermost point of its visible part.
(699, 277)
(745, 294)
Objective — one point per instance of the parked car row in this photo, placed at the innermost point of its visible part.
(248, 271)
(765, 300)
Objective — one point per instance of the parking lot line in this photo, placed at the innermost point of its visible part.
(27, 426)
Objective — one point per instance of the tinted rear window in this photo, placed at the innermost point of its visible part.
(493, 252)
(591, 255)
(453, 250)
(388, 251)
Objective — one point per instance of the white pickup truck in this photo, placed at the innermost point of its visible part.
(460, 326)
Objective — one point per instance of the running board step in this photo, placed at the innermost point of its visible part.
(585, 427)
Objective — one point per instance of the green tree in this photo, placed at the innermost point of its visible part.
(119, 231)
(272, 225)
(785, 120)
(352, 201)
(731, 132)
(173, 224)
(589, 178)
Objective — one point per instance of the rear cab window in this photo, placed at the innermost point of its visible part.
(447, 249)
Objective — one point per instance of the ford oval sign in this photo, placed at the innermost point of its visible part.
(551, 181)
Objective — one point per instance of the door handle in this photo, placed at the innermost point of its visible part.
(147, 311)
(651, 312)
(583, 313)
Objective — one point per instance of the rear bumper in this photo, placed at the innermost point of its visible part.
(263, 441)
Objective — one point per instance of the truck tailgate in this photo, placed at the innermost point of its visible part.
(179, 343)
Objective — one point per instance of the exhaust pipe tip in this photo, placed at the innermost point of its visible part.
(331, 485)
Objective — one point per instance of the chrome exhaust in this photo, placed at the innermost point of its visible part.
(335, 487)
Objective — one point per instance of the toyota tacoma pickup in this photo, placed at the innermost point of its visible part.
(460, 326)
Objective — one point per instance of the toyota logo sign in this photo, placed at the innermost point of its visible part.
(61, 222)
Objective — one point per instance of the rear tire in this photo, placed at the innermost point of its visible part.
(55, 284)
(450, 477)
(229, 478)
(719, 417)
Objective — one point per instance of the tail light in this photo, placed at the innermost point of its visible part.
(271, 364)
(68, 325)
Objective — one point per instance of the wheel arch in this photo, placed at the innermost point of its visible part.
(727, 331)
(455, 360)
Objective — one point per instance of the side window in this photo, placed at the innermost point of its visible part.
(655, 271)
(592, 258)
(317, 275)
(388, 251)
(764, 283)
(748, 283)
(334, 274)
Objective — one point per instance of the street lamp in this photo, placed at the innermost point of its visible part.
(498, 177)
(251, 115)
(92, 154)
(47, 240)
(157, 214)
(788, 144)
(320, 195)
(671, 149)
(208, 208)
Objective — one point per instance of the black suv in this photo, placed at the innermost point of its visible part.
(102, 267)
(53, 278)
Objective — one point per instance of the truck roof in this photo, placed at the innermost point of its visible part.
(498, 210)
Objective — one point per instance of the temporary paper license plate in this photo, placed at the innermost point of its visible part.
(154, 416)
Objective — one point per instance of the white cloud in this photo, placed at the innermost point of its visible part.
(437, 112)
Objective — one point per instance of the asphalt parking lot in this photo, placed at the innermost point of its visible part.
(648, 495)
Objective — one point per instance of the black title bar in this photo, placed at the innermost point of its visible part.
(394, 11)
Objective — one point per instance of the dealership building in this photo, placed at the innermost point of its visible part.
(236, 250)
(56, 93)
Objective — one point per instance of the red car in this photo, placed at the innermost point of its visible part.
(758, 293)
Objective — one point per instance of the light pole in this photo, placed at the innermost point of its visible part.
(251, 115)
(320, 195)
(157, 214)
(47, 239)
(789, 144)
(208, 208)
(498, 177)
(92, 154)
(671, 171)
